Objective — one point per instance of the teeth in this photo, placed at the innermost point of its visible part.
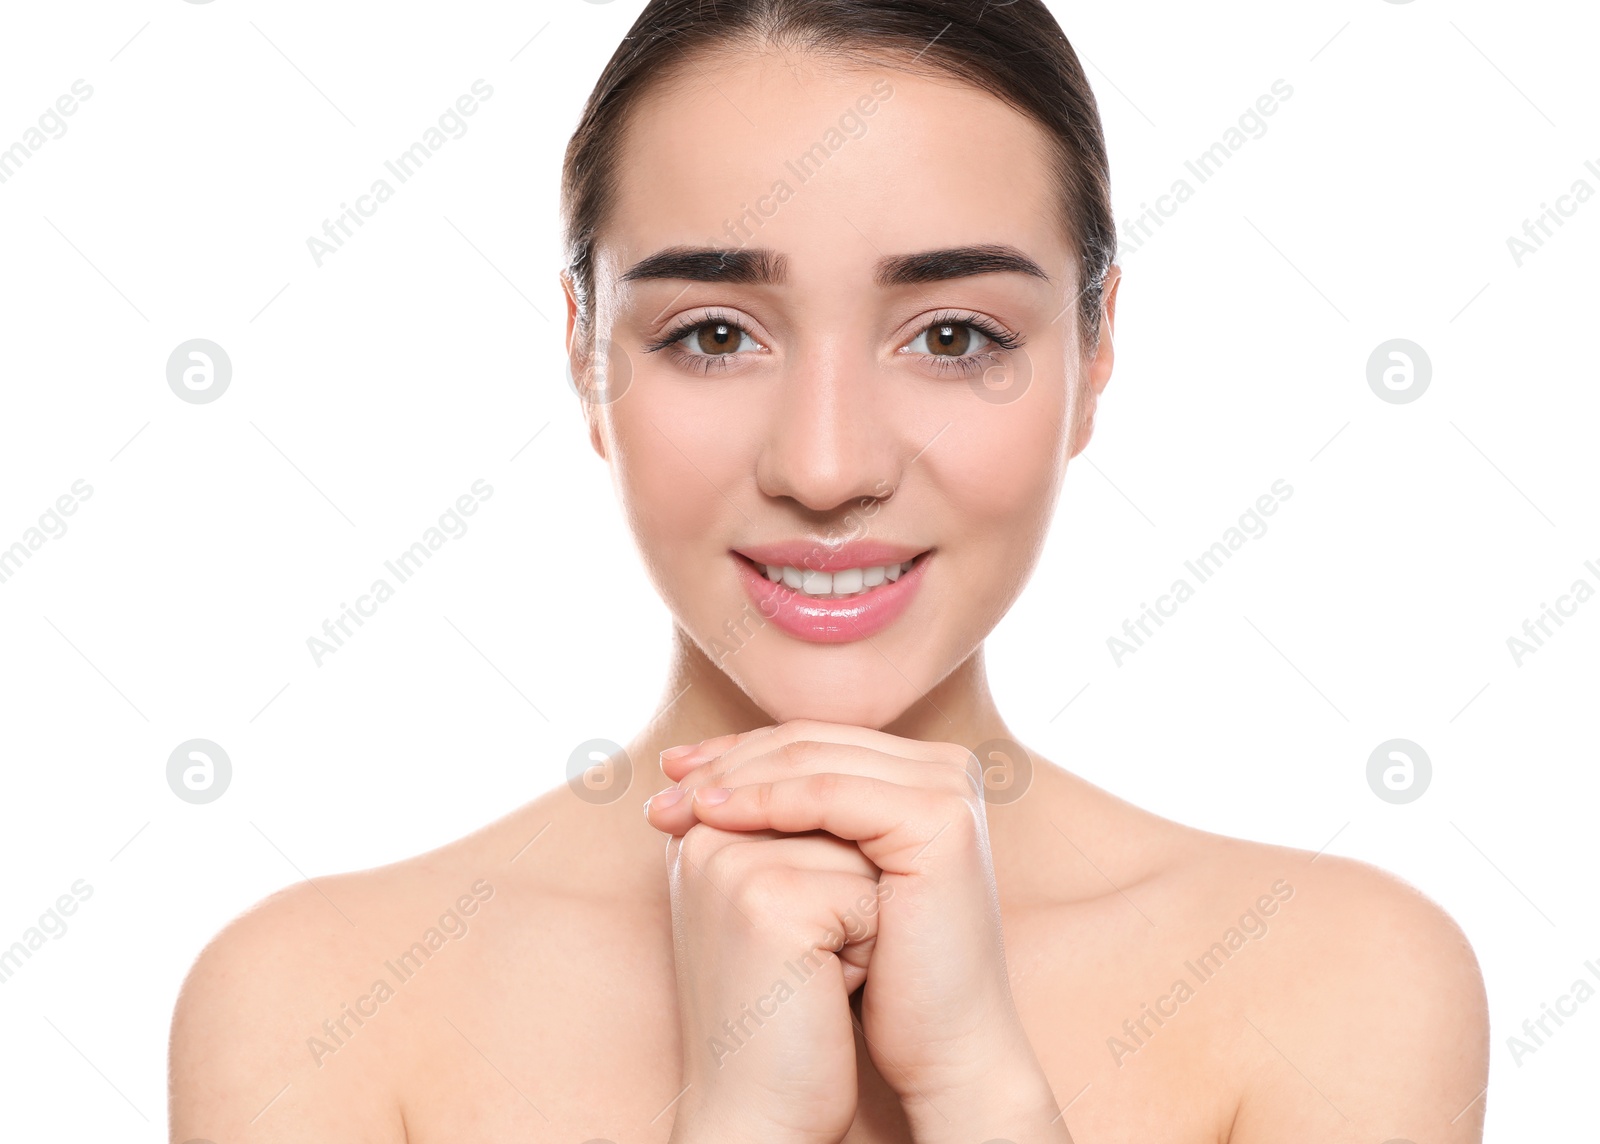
(835, 585)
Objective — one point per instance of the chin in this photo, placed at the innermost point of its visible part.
(874, 712)
(856, 687)
(850, 711)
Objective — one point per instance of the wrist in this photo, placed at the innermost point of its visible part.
(1011, 1102)
(710, 1126)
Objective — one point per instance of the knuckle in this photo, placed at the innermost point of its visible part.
(825, 785)
(957, 770)
(962, 816)
(955, 754)
(860, 917)
(967, 775)
(700, 844)
(765, 892)
(762, 793)
(725, 866)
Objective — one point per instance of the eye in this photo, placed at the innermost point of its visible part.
(706, 343)
(962, 342)
(715, 338)
(950, 339)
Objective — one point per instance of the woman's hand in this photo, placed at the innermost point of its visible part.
(763, 1002)
(937, 1012)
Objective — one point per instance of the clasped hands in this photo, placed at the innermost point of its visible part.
(801, 840)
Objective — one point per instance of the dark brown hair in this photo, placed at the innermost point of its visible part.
(1015, 51)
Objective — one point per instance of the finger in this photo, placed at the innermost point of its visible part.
(827, 913)
(852, 929)
(669, 810)
(816, 851)
(672, 811)
(812, 852)
(799, 895)
(955, 770)
(763, 739)
(902, 830)
(675, 760)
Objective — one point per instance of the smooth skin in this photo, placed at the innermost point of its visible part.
(1019, 957)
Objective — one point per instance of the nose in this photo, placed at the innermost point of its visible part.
(831, 438)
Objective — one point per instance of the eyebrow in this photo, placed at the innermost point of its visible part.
(761, 267)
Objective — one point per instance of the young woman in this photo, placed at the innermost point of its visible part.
(840, 296)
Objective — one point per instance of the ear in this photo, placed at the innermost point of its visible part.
(578, 364)
(1099, 368)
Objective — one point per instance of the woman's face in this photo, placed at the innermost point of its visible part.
(837, 399)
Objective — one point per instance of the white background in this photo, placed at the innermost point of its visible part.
(369, 393)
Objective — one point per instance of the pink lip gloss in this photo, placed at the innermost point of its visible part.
(822, 620)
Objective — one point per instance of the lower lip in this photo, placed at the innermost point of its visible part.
(831, 621)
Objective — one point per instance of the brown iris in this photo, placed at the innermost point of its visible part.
(949, 339)
(717, 338)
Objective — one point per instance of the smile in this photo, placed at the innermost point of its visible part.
(838, 585)
(849, 599)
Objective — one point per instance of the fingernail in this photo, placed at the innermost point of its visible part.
(680, 752)
(712, 795)
(664, 798)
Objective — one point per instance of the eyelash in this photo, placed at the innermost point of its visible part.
(965, 364)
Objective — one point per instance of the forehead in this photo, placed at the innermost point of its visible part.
(835, 165)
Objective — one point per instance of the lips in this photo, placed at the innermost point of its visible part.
(819, 619)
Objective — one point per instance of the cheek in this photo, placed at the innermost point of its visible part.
(1000, 479)
(1006, 464)
(668, 465)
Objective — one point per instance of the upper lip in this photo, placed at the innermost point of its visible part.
(820, 557)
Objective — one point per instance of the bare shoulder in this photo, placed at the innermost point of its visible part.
(1363, 1018)
(238, 1055)
(297, 1020)
(1331, 1000)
